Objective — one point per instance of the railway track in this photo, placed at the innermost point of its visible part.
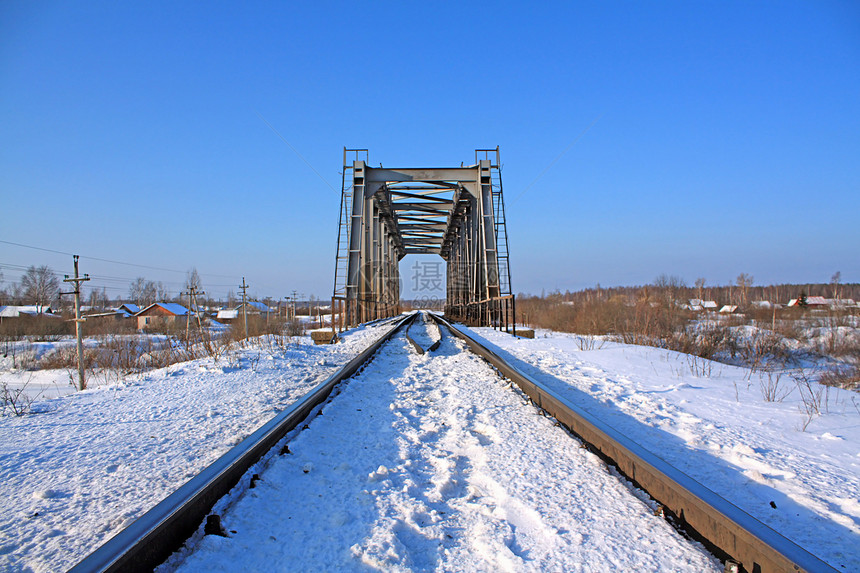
(737, 538)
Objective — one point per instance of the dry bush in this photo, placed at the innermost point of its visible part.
(772, 389)
(15, 401)
(839, 341)
(845, 377)
(36, 328)
(812, 396)
(761, 347)
(109, 326)
(274, 330)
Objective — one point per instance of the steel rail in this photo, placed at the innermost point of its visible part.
(152, 538)
(418, 348)
(739, 536)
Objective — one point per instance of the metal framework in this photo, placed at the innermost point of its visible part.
(457, 213)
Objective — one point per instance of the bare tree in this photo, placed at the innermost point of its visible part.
(192, 279)
(834, 281)
(40, 285)
(669, 288)
(700, 288)
(97, 298)
(144, 292)
(744, 282)
(135, 290)
(161, 292)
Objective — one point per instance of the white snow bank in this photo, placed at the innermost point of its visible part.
(710, 421)
(83, 466)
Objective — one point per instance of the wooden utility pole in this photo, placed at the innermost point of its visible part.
(77, 279)
(187, 313)
(295, 305)
(192, 303)
(244, 288)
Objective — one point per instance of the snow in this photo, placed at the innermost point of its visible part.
(710, 420)
(431, 462)
(401, 473)
(82, 466)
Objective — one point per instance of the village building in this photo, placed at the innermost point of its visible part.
(160, 314)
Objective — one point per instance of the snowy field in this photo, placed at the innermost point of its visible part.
(442, 460)
(81, 467)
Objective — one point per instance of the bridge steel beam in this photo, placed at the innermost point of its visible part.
(456, 212)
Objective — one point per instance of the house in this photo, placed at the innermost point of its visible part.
(254, 307)
(160, 314)
(26, 310)
(811, 302)
(709, 305)
(251, 308)
(227, 315)
(128, 309)
(729, 309)
(122, 312)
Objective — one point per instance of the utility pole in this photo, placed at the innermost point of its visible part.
(244, 288)
(82, 383)
(295, 305)
(192, 303)
(188, 313)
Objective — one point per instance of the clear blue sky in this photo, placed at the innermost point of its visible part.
(727, 134)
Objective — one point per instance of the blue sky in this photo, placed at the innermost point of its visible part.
(709, 138)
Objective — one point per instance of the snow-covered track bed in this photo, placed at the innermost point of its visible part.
(427, 462)
(149, 540)
(727, 529)
(424, 339)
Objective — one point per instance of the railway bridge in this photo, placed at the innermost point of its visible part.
(457, 213)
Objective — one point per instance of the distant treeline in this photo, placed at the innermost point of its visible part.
(729, 294)
(655, 313)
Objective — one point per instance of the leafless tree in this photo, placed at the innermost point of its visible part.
(834, 281)
(669, 287)
(161, 292)
(700, 288)
(192, 279)
(98, 298)
(144, 292)
(40, 285)
(744, 282)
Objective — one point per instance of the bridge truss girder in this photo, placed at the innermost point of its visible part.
(455, 212)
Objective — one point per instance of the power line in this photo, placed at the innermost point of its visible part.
(110, 260)
(108, 281)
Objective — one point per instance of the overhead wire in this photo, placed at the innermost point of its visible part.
(99, 281)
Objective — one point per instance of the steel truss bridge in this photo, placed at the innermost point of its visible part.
(457, 213)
